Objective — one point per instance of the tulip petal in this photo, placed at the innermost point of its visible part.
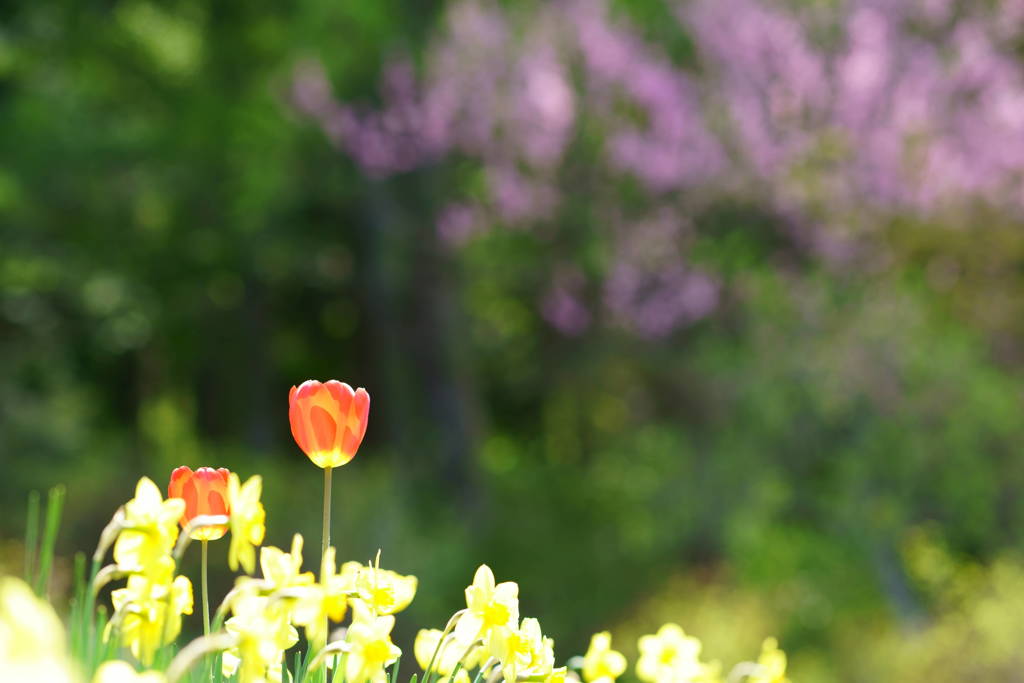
(215, 503)
(191, 496)
(341, 393)
(178, 478)
(298, 424)
(324, 427)
(361, 401)
(308, 389)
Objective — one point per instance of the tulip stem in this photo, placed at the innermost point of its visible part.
(327, 512)
(325, 543)
(206, 595)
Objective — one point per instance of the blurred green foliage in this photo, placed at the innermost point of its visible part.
(179, 248)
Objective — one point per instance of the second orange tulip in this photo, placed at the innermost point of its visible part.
(205, 492)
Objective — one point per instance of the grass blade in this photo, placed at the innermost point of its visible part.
(54, 506)
(78, 615)
(31, 536)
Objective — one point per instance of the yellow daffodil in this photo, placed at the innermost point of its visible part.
(336, 588)
(771, 665)
(231, 660)
(448, 656)
(150, 530)
(602, 664)
(712, 673)
(491, 610)
(31, 637)
(370, 646)
(671, 656)
(323, 601)
(561, 675)
(246, 521)
(523, 652)
(260, 625)
(147, 613)
(383, 591)
(116, 671)
(283, 570)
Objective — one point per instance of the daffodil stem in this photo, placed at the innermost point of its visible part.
(483, 668)
(441, 643)
(327, 511)
(206, 594)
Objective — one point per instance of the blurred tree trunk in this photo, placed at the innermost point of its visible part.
(415, 340)
(260, 411)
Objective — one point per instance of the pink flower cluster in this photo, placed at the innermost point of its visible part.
(839, 115)
(917, 107)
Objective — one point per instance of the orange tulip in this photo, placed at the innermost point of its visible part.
(328, 420)
(205, 492)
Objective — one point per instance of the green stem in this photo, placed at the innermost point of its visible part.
(206, 595)
(31, 536)
(483, 668)
(90, 615)
(327, 512)
(325, 543)
(54, 505)
(440, 644)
